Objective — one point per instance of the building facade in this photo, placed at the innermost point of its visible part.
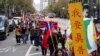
(45, 3)
(41, 4)
(84, 1)
(51, 2)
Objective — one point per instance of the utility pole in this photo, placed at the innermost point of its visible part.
(5, 7)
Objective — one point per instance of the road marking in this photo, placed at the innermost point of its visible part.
(8, 49)
(35, 53)
(13, 49)
(1, 51)
(5, 49)
(29, 50)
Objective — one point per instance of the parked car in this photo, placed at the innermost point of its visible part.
(17, 20)
(11, 25)
(4, 27)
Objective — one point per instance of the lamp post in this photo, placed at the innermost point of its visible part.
(5, 7)
(63, 8)
(62, 12)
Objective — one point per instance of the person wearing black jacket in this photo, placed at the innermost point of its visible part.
(24, 34)
(44, 50)
(64, 37)
(59, 35)
(37, 33)
(52, 41)
(32, 33)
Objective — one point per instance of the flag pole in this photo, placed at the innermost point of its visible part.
(51, 34)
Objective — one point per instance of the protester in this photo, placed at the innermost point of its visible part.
(18, 34)
(36, 38)
(63, 41)
(27, 31)
(53, 42)
(59, 52)
(44, 50)
(59, 35)
(24, 36)
(32, 33)
(62, 38)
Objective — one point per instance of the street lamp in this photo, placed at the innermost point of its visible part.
(62, 11)
(95, 12)
(63, 8)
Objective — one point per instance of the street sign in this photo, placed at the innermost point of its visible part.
(77, 26)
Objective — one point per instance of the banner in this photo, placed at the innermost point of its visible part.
(77, 26)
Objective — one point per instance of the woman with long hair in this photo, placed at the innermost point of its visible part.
(59, 52)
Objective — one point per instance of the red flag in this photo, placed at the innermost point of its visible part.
(43, 23)
(48, 29)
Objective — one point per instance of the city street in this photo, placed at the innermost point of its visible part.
(9, 47)
(49, 27)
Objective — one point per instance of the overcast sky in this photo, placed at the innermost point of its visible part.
(36, 1)
(37, 4)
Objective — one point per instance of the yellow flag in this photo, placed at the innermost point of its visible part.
(77, 26)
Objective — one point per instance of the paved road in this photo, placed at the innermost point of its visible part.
(9, 47)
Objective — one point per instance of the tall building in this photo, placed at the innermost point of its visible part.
(88, 1)
(43, 4)
(85, 1)
(33, 3)
(51, 1)
(56, 0)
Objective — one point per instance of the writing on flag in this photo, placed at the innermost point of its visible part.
(78, 34)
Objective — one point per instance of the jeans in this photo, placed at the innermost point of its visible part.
(27, 35)
(24, 37)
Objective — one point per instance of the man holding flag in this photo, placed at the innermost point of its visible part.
(49, 28)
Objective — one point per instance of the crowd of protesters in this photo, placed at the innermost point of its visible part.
(32, 31)
(26, 31)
